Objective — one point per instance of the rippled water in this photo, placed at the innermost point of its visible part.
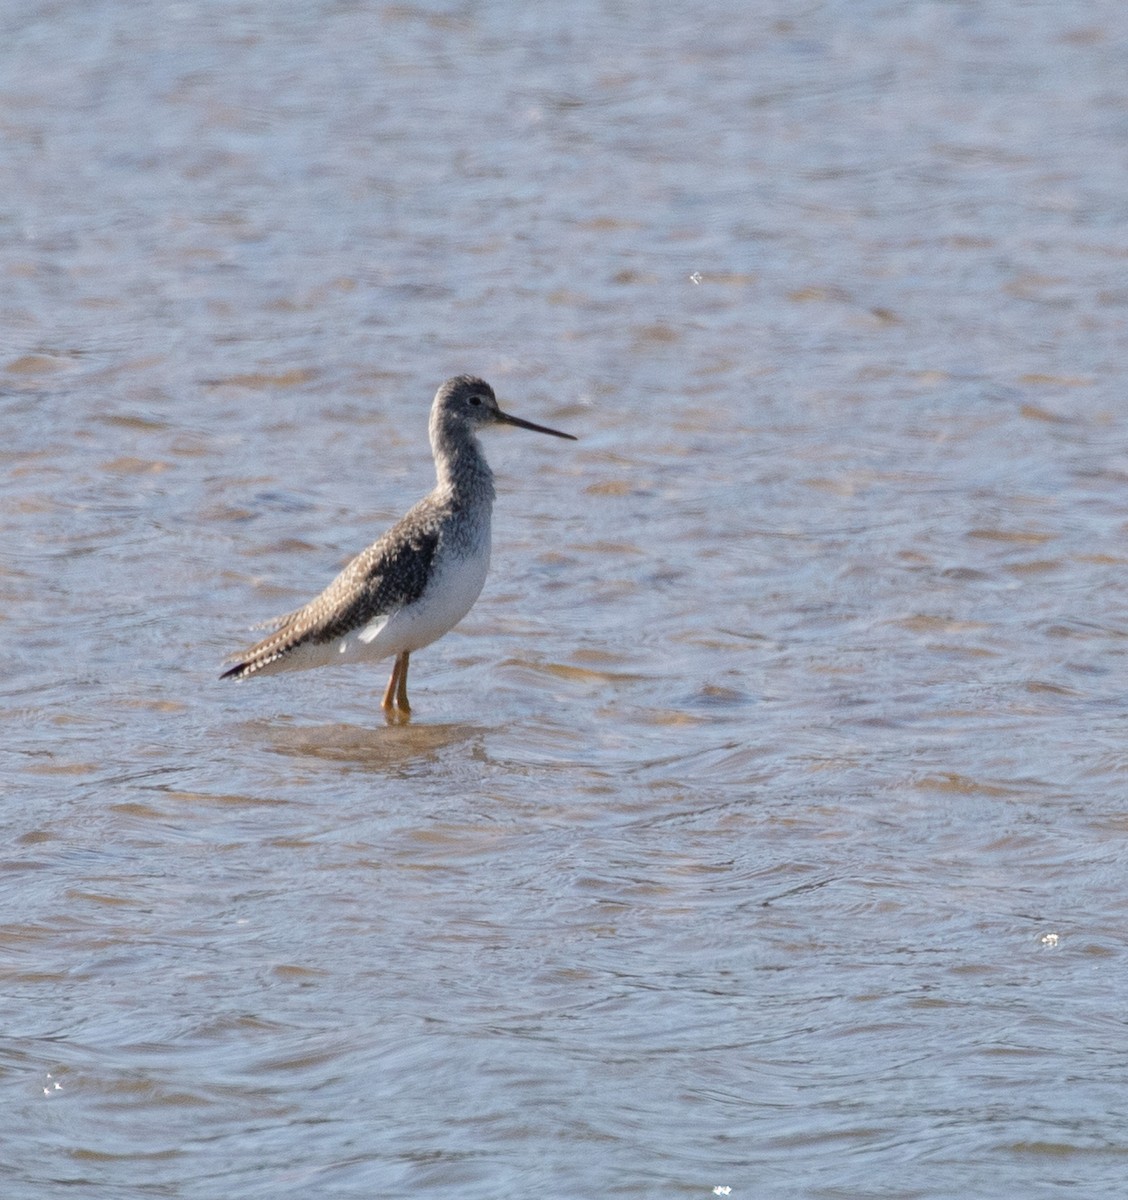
(764, 826)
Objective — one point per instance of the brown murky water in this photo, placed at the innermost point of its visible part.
(764, 827)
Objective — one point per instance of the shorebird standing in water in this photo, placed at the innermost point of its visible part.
(421, 578)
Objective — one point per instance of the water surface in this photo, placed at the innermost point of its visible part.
(764, 825)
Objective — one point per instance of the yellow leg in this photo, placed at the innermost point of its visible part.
(389, 700)
(401, 691)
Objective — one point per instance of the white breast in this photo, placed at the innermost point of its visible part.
(448, 597)
(455, 584)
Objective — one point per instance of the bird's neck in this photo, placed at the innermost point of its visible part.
(462, 469)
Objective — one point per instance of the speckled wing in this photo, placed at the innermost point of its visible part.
(381, 580)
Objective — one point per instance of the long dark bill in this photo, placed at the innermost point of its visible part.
(506, 419)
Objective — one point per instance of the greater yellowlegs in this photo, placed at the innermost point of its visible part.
(421, 578)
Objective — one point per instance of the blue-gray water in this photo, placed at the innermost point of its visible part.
(765, 825)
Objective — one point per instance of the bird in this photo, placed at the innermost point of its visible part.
(417, 581)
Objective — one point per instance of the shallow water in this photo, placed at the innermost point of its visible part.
(764, 826)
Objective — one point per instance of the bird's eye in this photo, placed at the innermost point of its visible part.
(475, 400)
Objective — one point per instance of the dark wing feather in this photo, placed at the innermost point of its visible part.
(381, 580)
(387, 576)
